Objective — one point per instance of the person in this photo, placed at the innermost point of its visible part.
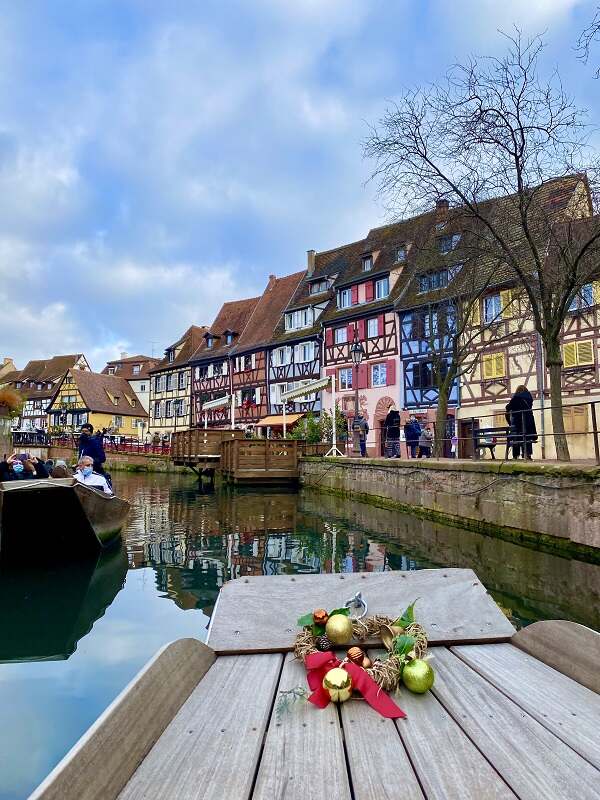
(391, 430)
(361, 426)
(49, 465)
(425, 442)
(519, 416)
(85, 474)
(61, 470)
(21, 467)
(90, 445)
(412, 431)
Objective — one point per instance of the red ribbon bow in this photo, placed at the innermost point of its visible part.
(319, 664)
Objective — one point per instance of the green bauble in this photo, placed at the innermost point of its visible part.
(418, 676)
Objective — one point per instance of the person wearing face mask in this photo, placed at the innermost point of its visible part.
(85, 474)
(21, 467)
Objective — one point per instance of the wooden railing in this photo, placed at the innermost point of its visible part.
(259, 458)
(200, 444)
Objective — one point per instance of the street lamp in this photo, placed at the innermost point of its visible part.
(357, 353)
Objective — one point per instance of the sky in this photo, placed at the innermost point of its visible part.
(160, 157)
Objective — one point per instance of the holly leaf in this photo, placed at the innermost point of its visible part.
(318, 630)
(305, 621)
(344, 611)
(403, 644)
(408, 617)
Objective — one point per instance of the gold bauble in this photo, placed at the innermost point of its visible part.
(339, 684)
(388, 633)
(418, 676)
(366, 662)
(339, 629)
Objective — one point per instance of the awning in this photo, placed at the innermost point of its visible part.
(220, 402)
(307, 388)
(277, 420)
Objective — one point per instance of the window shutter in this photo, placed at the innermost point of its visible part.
(487, 367)
(390, 372)
(570, 355)
(257, 396)
(361, 329)
(370, 291)
(585, 353)
(350, 332)
(354, 291)
(380, 325)
(328, 337)
(328, 373)
(499, 366)
(475, 314)
(363, 376)
(273, 393)
(506, 303)
(225, 367)
(253, 360)
(596, 292)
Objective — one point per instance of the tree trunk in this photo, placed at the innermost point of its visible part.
(440, 419)
(554, 364)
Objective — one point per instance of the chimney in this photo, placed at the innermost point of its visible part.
(123, 356)
(272, 279)
(8, 362)
(441, 208)
(310, 261)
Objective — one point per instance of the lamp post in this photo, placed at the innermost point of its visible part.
(357, 352)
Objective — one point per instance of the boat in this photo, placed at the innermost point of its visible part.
(58, 515)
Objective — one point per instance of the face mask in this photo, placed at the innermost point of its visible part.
(17, 467)
(87, 471)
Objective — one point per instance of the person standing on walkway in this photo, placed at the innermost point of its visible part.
(391, 432)
(361, 426)
(412, 432)
(91, 445)
(425, 442)
(519, 416)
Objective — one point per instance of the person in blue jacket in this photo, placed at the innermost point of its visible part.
(91, 445)
(412, 432)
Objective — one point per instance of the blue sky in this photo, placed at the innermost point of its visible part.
(158, 158)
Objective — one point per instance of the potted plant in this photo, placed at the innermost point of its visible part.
(11, 402)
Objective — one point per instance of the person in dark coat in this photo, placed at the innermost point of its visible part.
(519, 416)
(412, 433)
(91, 445)
(391, 432)
(17, 468)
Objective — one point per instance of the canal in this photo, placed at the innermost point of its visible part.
(71, 637)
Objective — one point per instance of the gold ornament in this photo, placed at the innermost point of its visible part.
(320, 616)
(388, 633)
(339, 684)
(339, 629)
(366, 663)
(418, 676)
(355, 655)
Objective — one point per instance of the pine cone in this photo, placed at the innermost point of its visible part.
(323, 644)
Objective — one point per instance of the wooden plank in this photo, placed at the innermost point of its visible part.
(454, 607)
(569, 710)
(531, 759)
(103, 760)
(303, 757)
(570, 648)
(376, 755)
(211, 748)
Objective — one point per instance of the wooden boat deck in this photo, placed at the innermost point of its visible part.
(498, 723)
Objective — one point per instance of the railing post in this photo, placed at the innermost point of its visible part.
(595, 430)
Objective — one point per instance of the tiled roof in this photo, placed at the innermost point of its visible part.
(268, 312)
(93, 388)
(188, 344)
(49, 369)
(124, 367)
(232, 317)
(10, 377)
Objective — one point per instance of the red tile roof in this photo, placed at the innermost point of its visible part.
(124, 367)
(187, 346)
(95, 388)
(268, 311)
(232, 317)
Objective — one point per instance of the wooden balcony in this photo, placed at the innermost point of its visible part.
(201, 448)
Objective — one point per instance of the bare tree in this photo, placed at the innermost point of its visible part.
(588, 37)
(494, 128)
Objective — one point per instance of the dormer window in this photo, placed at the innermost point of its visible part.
(170, 355)
(209, 342)
(344, 298)
(111, 370)
(229, 338)
(448, 243)
(367, 263)
(316, 287)
(302, 318)
(401, 254)
(18, 384)
(136, 369)
(433, 280)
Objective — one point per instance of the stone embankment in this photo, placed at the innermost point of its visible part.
(554, 505)
(118, 462)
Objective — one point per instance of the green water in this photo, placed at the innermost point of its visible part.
(72, 636)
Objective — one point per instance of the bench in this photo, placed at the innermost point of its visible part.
(490, 437)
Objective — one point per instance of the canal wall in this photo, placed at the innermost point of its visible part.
(557, 506)
(116, 462)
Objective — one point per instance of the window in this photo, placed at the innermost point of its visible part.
(340, 335)
(576, 419)
(169, 382)
(372, 327)
(39, 387)
(157, 383)
(170, 355)
(111, 370)
(433, 280)
(305, 351)
(583, 299)
(302, 318)
(18, 385)
(178, 408)
(117, 422)
(345, 378)
(578, 354)
(282, 356)
(209, 342)
(379, 375)
(247, 362)
(181, 381)
(229, 338)
(316, 287)
(492, 308)
(344, 299)
(142, 387)
(401, 253)
(217, 369)
(136, 369)
(169, 408)
(382, 288)
(448, 243)
(422, 375)
(493, 366)
(367, 263)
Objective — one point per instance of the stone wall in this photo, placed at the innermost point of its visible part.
(123, 462)
(558, 505)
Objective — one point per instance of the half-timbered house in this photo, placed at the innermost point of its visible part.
(250, 357)
(170, 385)
(211, 364)
(368, 279)
(135, 370)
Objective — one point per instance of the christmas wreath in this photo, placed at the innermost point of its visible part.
(332, 679)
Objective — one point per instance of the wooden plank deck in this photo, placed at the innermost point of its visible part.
(497, 725)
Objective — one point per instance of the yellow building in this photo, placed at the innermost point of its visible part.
(105, 401)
